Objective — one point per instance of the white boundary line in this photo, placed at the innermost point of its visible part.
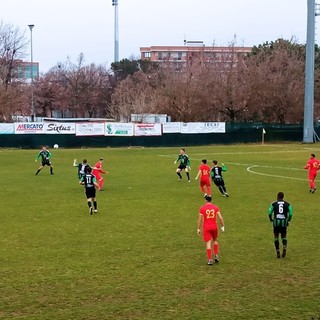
(251, 166)
(249, 169)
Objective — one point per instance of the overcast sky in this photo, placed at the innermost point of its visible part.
(65, 28)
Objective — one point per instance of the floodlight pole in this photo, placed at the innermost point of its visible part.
(116, 31)
(308, 125)
(31, 73)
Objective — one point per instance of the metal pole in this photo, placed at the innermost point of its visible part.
(116, 31)
(31, 73)
(308, 125)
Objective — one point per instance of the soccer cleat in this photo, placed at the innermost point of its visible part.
(205, 195)
(179, 179)
(210, 262)
(91, 210)
(313, 190)
(95, 210)
(284, 252)
(216, 258)
(278, 254)
(189, 181)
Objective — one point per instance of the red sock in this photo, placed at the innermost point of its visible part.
(209, 190)
(101, 183)
(216, 248)
(202, 189)
(209, 254)
(311, 184)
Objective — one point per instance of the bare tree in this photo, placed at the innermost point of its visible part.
(83, 90)
(135, 95)
(12, 48)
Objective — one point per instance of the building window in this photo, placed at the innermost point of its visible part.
(179, 55)
(147, 54)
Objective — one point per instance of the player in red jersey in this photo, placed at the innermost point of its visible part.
(97, 171)
(313, 166)
(204, 174)
(207, 221)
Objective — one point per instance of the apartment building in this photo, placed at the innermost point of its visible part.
(191, 51)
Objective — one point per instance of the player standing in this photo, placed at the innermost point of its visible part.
(204, 174)
(45, 159)
(207, 221)
(97, 171)
(313, 166)
(90, 184)
(216, 176)
(82, 167)
(282, 215)
(184, 164)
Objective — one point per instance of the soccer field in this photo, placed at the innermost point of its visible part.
(139, 257)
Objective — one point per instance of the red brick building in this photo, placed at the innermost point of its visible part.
(179, 56)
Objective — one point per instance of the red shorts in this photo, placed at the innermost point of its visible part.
(210, 233)
(98, 177)
(205, 182)
(312, 175)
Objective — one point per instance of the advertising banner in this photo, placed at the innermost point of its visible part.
(118, 129)
(60, 128)
(203, 127)
(90, 129)
(171, 127)
(44, 128)
(6, 128)
(28, 127)
(147, 129)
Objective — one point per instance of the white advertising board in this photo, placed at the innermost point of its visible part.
(203, 127)
(118, 129)
(171, 127)
(6, 128)
(44, 128)
(90, 129)
(147, 129)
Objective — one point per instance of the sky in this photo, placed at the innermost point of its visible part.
(65, 28)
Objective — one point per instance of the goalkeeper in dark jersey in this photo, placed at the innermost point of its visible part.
(280, 214)
(45, 156)
(184, 164)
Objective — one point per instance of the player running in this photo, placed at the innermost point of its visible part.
(90, 184)
(45, 159)
(216, 176)
(97, 171)
(82, 167)
(282, 215)
(207, 221)
(204, 174)
(184, 164)
(313, 166)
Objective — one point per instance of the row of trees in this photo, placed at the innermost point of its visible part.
(265, 85)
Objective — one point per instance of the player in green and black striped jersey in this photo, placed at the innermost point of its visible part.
(184, 164)
(280, 213)
(45, 159)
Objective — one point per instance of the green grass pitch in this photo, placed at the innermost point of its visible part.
(139, 257)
